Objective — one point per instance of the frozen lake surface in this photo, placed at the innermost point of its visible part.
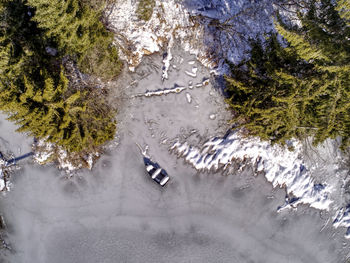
(116, 213)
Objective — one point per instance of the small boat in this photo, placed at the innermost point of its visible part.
(157, 173)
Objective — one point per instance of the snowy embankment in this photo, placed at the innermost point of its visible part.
(281, 167)
(212, 31)
(46, 152)
(342, 218)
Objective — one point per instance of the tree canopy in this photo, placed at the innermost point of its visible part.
(48, 99)
(300, 87)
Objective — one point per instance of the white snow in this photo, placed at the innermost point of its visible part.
(191, 74)
(138, 38)
(46, 152)
(342, 218)
(282, 167)
(212, 116)
(64, 161)
(5, 169)
(90, 161)
(2, 179)
(188, 97)
(160, 92)
(212, 31)
(167, 59)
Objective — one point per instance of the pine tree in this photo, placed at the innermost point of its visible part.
(343, 7)
(79, 32)
(302, 89)
(35, 90)
(71, 24)
(77, 121)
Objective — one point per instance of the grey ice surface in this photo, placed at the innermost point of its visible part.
(116, 213)
(12, 142)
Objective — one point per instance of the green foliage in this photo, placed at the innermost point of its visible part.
(37, 91)
(78, 31)
(101, 60)
(21, 43)
(77, 120)
(299, 90)
(145, 9)
(343, 7)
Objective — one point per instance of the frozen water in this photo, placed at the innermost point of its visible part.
(12, 144)
(116, 213)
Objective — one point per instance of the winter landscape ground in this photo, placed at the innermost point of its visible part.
(116, 213)
(230, 198)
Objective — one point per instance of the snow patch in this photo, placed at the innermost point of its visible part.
(46, 152)
(167, 58)
(2, 175)
(160, 92)
(342, 218)
(191, 74)
(212, 30)
(282, 167)
(138, 38)
(188, 97)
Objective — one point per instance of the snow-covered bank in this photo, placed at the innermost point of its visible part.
(46, 152)
(137, 37)
(342, 219)
(281, 167)
(212, 30)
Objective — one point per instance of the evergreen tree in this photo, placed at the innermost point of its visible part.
(77, 120)
(78, 31)
(35, 89)
(20, 40)
(299, 90)
(343, 7)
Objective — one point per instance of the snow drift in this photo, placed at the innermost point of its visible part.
(282, 167)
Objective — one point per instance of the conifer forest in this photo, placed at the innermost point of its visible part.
(299, 85)
(50, 52)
